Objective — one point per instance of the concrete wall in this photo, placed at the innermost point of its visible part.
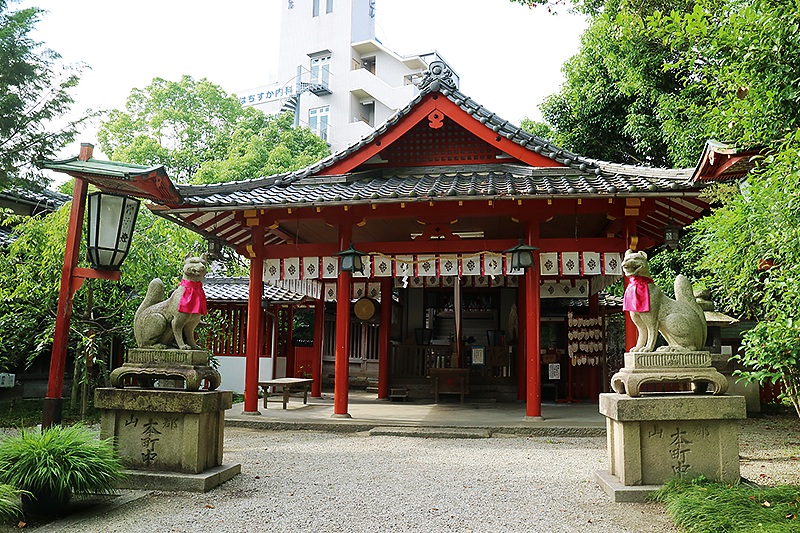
(232, 370)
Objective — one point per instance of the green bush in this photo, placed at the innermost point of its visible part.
(52, 464)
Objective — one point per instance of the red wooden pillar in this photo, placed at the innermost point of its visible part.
(532, 329)
(254, 323)
(342, 372)
(597, 376)
(290, 360)
(631, 333)
(319, 332)
(522, 374)
(272, 339)
(386, 331)
(52, 403)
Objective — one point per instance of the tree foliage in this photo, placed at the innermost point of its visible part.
(745, 55)
(270, 146)
(618, 102)
(655, 79)
(34, 95)
(202, 135)
(30, 275)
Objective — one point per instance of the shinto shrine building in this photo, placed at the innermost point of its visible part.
(435, 198)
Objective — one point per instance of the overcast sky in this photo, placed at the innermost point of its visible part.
(507, 56)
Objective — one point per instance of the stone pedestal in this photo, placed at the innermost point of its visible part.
(167, 431)
(667, 367)
(654, 438)
(149, 364)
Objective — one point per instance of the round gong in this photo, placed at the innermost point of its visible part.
(367, 309)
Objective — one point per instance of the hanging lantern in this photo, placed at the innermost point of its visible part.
(214, 249)
(112, 218)
(351, 260)
(672, 234)
(522, 256)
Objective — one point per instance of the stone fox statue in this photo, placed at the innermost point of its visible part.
(680, 321)
(160, 324)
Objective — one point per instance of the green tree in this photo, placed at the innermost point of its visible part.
(752, 255)
(190, 126)
(745, 56)
(654, 79)
(30, 275)
(618, 102)
(270, 147)
(33, 94)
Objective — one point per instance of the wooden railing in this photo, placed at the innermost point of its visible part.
(364, 338)
(415, 361)
(411, 361)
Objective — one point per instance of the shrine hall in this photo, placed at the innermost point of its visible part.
(435, 205)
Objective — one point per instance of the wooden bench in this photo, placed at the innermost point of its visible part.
(287, 385)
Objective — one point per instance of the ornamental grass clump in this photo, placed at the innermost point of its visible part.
(9, 502)
(52, 464)
(703, 506)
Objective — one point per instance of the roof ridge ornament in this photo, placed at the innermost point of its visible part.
(438, 76)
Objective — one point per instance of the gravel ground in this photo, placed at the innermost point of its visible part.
(310, 482)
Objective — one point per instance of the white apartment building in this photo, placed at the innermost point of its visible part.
(339, 80)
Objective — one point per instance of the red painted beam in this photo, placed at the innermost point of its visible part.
(319, 331)
(630, 329)
(445, 247)
(533, 332)
(470, 123)
(385, 338)
(342, 361)
(52, 404)
(253, 327)
(522, 352)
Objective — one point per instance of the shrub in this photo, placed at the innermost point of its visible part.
(52, 464)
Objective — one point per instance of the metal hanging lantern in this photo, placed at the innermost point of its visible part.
(214, 249)
(522, 256)
(351, 260)
(112, 218)
(672, 235)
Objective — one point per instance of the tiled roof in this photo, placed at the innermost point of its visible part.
(418, 183)
(5, 236)
(33, 202)
(580, 176)
(98, 167)
(44, 200)
(234, 290)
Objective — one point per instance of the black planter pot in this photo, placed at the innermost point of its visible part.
(44, 502)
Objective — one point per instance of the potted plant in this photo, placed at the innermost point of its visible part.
(52, 464)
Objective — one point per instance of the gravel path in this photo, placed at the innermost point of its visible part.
(309, 482)
(325, 482)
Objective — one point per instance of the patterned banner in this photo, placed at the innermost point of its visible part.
(578, 288)
(591, 264)
(428, 266)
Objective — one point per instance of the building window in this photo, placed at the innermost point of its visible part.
(369, 64)
(321, 70)
(329, 6)
(318, 121)
(315, 12)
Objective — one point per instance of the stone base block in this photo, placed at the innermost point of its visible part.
(165, 430)
(620, 493)
(654, 438)
(203, 482)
